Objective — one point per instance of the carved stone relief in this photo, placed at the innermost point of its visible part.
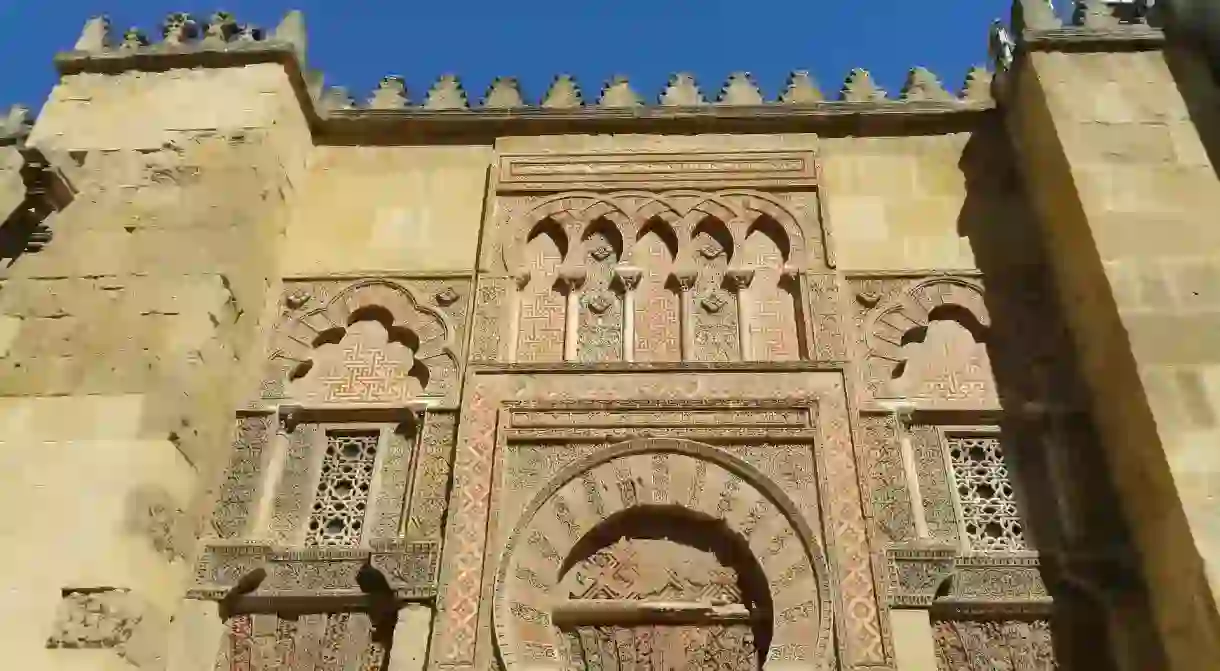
(368, 341)
(939, 509)
(430, 490)
(891, 500)
(562, 515)
(964, 645)
(923, 339)
(591, 273)
(243, 479)
(113, 619)
(306, 642)
(410, 568)
(526, 464)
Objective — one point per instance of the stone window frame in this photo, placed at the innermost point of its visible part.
(385, 421)
(945, 433)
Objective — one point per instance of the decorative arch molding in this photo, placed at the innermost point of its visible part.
(893, 321)
(661, 472)
(424, 330)
(630, 211)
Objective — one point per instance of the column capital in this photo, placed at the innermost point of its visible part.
(521, 278)
(573, 277)
(628, 275)
(738, 278)
(685, 277)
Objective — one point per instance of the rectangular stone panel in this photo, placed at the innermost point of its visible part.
(558, 172)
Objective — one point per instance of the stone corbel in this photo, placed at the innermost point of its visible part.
(738, 280)
(571, 279)
(685, 279)
(629, 277)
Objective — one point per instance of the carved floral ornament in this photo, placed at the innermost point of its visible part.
(424, 330)
(633, 477)
(680, 215)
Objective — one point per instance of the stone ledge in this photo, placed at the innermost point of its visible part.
(1120, 38)
(224, 569)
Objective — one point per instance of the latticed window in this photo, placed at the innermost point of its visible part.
(343, 490)
(984, 489)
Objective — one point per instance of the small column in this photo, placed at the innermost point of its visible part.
(273, 469)
(902, 417)
(629, 277)
(572, 280)
(685, 278)
(739, 280)
(521, 279)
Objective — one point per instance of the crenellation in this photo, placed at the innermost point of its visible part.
(564, 93)
(978, 85)
(921, 84)
(617, 92)
(739, 89)
(446, 94)
(503, 93)
(391, 94)
(800, 89)
(681, 91)
(859, 87)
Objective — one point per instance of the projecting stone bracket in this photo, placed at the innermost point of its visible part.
(945, 579)
(225, 570)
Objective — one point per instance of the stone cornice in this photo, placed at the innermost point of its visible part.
(1135, 37)
(364, 125)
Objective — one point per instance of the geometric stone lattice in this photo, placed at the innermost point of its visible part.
(343, 490)
(989, 509)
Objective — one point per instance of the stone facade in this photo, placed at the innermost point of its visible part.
(913, 383)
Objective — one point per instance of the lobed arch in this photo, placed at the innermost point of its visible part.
(424, 330)
(676, 475)
(905, 317)
(743, 212)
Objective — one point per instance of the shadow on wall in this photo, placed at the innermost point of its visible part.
(1199, 84)
(1077, 532)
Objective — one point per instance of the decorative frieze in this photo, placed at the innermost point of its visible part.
(609, 171)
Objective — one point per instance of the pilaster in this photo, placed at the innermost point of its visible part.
(132, 330)
(1126, 194)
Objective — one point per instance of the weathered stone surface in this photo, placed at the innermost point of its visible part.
(430, 387)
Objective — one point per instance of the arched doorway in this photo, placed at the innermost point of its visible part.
(661, 554)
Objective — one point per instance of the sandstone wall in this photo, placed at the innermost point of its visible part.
(1127, 194)
(131, 336)
(397, 209)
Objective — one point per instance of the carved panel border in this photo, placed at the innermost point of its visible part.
(457, 642)
(656, 170)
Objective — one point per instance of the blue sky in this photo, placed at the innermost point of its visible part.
(356, 43)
